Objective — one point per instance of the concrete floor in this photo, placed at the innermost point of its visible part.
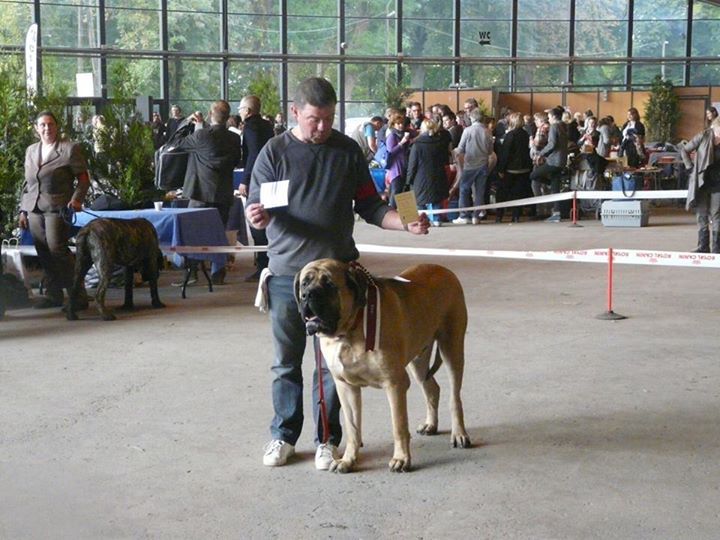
(152, 426)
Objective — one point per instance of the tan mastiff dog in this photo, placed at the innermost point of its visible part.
(425, 304)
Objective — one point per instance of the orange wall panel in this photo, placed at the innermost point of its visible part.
(692, 118)
(517, 102)
(545, 100)
(448, 98)
(616, 105)
(582, 101)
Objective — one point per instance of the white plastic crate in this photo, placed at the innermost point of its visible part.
(625, 213)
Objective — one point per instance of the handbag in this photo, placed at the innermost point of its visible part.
(624, 182)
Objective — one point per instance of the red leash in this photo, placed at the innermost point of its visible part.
(321, 392)
(370, 340)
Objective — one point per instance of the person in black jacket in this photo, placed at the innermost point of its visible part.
(514, 166)
(213, 154)
(426, 169)
(173, 123)
(256, 132)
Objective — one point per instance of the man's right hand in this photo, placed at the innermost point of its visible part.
(23, 220)
(243, 190)
(257, 216)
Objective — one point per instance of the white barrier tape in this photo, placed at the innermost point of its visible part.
(567, 195)
(212, 249)
(618, 195)
(517, 202)
(620, 256)
(31, 251)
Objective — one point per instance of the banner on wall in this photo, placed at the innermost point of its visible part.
(31, 71)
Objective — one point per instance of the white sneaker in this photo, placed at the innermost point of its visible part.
(277, 453)
(324, 456)
(461, 221)
(436, 223)
(476, 221)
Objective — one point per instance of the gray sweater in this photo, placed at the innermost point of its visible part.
(327, 183)
(555, 152)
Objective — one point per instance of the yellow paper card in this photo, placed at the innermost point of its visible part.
(407, 207)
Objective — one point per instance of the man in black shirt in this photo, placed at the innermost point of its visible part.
(256, 132)
(213, 154)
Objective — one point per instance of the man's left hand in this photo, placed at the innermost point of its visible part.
(420, 226)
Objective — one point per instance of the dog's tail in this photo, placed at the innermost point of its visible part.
(437, 362)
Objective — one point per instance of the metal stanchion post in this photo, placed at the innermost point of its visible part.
(610, 315)
(574, 211)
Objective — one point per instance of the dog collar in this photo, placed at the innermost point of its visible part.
(371, 312)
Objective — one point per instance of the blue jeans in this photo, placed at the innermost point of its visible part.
(435, 218)
(289, 340)
(472, 181)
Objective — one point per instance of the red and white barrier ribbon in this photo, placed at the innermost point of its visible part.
(620, 256)
(569, 195)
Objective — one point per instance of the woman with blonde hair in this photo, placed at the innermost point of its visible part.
(514, 166)
(426, 169)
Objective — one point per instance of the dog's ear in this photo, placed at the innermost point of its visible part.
(296, 288)
(357, 283)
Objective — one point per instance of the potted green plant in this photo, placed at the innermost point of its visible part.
(120, 155)
(662, 111)
(395, 95)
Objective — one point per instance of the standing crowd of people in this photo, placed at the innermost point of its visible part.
(442, 155)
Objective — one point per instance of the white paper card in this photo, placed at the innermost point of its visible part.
(274, 194)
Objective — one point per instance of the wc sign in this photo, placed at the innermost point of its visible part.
(484, 38)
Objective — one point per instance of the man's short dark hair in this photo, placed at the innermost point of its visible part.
(39, 115)
(557, 112)
(315, 91)
(376, 119)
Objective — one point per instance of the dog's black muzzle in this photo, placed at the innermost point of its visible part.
(318, 307)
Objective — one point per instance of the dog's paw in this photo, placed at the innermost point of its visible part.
(340, 466)
(399, 465)
(460, 440)
(427, 429)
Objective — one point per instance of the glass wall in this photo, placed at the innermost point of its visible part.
(660, 32)
(254, 26)
(705, 42)
(601, 31)
(15, 18)
(423, 44)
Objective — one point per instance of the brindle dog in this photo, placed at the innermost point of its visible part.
(131, 243)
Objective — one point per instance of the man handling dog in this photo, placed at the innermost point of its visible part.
(323, 176)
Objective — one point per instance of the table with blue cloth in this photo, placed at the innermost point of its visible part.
(176, 227)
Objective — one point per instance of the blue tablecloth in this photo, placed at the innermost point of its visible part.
(176, 227)
(237, 176)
